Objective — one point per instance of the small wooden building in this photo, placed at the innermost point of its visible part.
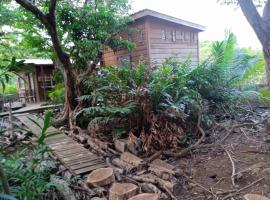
(34, 86)
(158, 37)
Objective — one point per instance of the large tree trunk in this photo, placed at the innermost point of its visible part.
(70, 97)
(261, 26)
(266, 53)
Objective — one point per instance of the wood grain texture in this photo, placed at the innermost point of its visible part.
(77, 159)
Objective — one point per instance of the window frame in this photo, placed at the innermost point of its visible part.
(163, 34)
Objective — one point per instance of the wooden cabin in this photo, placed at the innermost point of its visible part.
(158, 37)
(34, 86)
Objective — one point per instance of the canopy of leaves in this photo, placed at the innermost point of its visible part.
(90, 28)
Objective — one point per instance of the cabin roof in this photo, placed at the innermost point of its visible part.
(37, 61)
(152, 13)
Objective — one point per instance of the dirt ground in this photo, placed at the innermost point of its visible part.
(245, 153)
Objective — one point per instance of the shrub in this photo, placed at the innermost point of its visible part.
(161, 105)
(28, 170)
(57, 95)
(9, 89)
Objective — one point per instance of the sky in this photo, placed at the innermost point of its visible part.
(217, 18)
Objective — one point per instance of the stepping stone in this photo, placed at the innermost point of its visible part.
(121, 145)
(255, 197)
(122, 191)
(131, 159)
(145, 196)
(100, 177)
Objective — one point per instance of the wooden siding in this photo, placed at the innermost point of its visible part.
(153, 49)
(182, 48)
(140, 53)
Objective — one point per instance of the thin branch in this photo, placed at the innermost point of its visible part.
(33, 9)
(52, 7)
(233, 166)
(240, 190)
(185, 151)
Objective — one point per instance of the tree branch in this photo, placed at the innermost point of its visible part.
(33, 9)
(255, 20)
(266, 12)
(52, 7)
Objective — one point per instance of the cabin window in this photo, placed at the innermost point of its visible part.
(140, 36)
(163, 34)
(124, 61)
(182, 36)
(193, 37)
(173, 36)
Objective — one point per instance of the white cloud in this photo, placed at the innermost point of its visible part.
(209, 13)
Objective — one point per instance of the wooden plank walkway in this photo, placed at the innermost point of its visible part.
(77, 159)
(30, 108)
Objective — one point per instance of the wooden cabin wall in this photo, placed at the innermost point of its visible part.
(138, 54)
(181, 48)
(43, 73)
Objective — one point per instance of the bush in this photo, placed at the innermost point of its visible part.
(57, 95)
(9, 89)
(161, 105)
(29, 170)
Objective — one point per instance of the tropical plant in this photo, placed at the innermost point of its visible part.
(57, 95)
(73, 28)
(10, 69)
(160, 105)
(29, 177)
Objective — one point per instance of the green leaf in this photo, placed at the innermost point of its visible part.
(7, 197)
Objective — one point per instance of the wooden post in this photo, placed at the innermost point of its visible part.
(10, 128)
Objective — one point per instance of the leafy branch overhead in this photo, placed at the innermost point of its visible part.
(79, 33)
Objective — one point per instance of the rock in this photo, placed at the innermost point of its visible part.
(255, 197)
(267, 126)
(132, 159)
(134, 145)
(162, 165)
(100, 177)
(121, 145)
(98, 198)
(267, 139)
(63, 188)
(145, 196)
(174, 186)
(75, 131)
(123, 165)
(122, 191)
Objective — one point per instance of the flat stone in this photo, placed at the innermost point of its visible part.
(145, 196)
(131, 159)
(162, 165)
(100, 177)
(255, 197)
(98, 198)
(122, 191)
(121, 145)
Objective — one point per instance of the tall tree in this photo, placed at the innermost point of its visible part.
(79, 32)
(260, 24)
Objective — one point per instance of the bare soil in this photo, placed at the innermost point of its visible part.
(209, 171)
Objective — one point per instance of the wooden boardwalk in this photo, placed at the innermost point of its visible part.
(34, 107)
(77, 159)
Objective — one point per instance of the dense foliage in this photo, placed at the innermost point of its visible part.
(161, 104)
(29, 169)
